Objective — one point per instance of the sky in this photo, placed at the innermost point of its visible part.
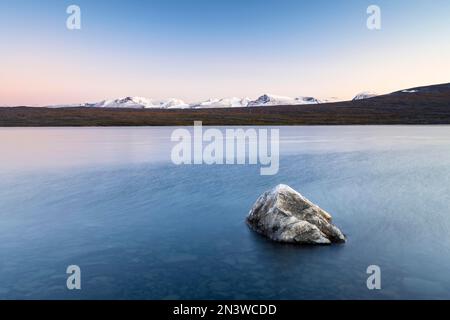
(198, 49)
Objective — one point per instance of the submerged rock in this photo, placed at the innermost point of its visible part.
(282, 214)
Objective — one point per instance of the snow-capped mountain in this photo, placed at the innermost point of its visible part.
(270, 100)
(146, 103)
(174, 104)
(307, 100)
(139, 103)
(273, 100)
(222, 103)
(128, 102)
(365, 95)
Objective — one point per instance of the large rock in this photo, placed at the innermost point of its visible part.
(282, 214)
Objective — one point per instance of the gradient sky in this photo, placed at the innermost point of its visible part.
(197, 49)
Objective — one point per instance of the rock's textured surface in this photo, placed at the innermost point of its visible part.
(282, 214)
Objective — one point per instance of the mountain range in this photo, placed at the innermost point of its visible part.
(212, 103)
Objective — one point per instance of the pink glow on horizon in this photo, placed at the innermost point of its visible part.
(55, 77)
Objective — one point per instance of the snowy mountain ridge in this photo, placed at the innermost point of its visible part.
(212, 103)
(365, 95)
(172, 103)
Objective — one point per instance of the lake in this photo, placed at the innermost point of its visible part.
(110, 201)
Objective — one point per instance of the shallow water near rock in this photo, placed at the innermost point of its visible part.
(110, 201)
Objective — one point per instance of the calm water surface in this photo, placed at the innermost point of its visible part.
(110, 201)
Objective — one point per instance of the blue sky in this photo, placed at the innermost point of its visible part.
(195, 49)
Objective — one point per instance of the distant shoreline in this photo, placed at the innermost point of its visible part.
(430, 107)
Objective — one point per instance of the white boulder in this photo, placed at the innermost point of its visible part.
(282, 214)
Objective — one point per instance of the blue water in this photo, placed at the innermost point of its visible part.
(139, 227)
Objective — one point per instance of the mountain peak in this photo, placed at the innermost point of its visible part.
(274, 100)
(139, 103)
(365, 95)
